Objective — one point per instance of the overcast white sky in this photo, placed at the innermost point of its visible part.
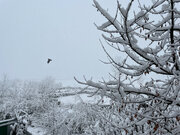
(33, 30)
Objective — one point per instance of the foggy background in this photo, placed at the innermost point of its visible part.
(31, 31)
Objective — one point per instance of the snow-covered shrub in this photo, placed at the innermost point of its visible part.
(30, 96)
(81, 118)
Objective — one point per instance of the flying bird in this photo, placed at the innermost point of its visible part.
(49, 60)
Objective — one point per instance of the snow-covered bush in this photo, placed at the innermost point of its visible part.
(30, 96)
(81, 118)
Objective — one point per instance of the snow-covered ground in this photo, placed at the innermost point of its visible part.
(36, 130)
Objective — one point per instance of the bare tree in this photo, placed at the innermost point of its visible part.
(149, 38)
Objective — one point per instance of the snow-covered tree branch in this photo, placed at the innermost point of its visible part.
(150, 40)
